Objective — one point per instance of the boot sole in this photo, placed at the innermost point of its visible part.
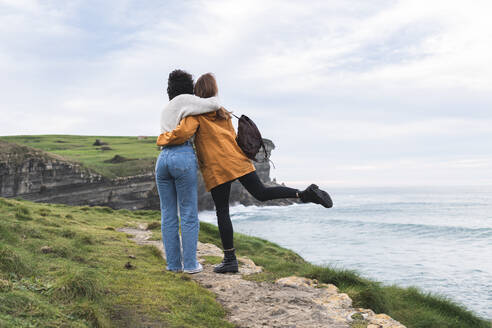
(227, 271)
(234, 270)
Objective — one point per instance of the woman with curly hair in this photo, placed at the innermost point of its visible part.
(222, 161)
(176, 176)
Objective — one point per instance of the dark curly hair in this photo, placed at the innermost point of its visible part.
(179, 82)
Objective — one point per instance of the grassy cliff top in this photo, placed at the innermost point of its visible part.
(12, 152)
(136, 156)
(63, 266)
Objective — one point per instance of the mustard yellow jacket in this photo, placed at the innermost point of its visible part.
(219, 157)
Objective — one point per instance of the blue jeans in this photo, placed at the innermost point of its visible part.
(176, 178)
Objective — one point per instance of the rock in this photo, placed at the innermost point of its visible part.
(116, 159)
(341, 300)
(143, 226)
(209, 250)
(246, 266)
(382, 316)
(329, 288)
(99, 143)
(383, 321)
(366, 312)
(277, 312)
(46, 249)
(294, 281)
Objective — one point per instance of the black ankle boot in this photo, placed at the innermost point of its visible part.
(313, 194)
(229, 263)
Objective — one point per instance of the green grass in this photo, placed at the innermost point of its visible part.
(141, 154)
(80, 279)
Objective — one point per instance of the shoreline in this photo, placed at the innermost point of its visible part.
(64, 243)
(248, 212)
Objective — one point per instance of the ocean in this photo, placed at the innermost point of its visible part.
(437, 239)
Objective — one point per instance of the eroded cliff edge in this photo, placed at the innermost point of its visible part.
(44, 177)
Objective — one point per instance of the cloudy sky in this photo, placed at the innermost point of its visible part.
(353, 93)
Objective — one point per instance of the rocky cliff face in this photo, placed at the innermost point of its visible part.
(39, 176)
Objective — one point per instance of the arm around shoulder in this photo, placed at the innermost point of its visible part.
(193, 105)
(184, 131)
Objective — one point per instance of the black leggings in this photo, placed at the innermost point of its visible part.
(255, 187)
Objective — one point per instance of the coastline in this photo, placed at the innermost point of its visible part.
(343, 244)
(65, 243)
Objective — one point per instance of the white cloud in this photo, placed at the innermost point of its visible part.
(352, 77)
(438, 44)
(336, 130)
(419, 164)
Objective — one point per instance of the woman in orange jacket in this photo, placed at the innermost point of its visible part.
(221, 162)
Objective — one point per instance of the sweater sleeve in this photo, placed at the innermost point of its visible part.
(184, 131)
(193, 105)
(185, 105)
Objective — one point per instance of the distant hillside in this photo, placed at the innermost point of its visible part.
(137, 155)
(92, 170)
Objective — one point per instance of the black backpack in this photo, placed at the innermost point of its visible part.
(249, 137)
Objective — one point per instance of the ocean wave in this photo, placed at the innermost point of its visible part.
(245, 212)
(417, 229)
(259, 213)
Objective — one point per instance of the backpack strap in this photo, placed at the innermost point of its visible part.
(232, 114)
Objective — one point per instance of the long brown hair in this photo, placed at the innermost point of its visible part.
(206, 87)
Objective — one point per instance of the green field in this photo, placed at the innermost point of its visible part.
(140, 155)
(81, 280)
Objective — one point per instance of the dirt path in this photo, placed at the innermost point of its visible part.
(290, 302)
